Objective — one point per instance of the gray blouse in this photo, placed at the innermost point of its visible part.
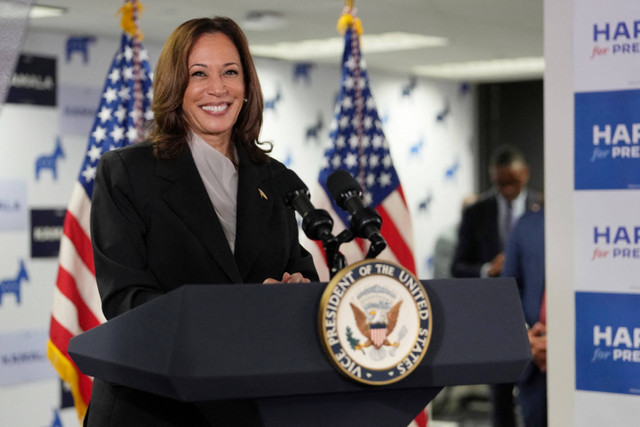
(220, 178)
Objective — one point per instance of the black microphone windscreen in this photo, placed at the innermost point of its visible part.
(341, 182)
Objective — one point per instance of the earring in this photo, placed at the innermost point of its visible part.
(245, 100)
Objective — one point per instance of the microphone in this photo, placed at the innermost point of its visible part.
(365, 221)
(316, 223)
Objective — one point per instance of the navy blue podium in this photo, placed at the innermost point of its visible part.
(207, 343)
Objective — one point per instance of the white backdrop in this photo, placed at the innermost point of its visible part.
(606, 236)
(429, 125)
(592, 199)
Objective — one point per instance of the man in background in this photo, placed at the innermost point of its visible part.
(525, 262)
(482, 236)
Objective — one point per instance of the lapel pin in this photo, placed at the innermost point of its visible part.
(264, 196)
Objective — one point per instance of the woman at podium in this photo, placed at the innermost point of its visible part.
(196, 203)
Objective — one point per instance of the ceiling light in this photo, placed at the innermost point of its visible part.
(501, 69)
(263, 21)
(333, 47)
(41, 11)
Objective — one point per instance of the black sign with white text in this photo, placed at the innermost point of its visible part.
(46, 232)
(34, 81)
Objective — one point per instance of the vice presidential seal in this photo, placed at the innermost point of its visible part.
(375, 322)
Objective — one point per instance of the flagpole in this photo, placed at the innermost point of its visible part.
(349, 20)
(124, 106)
(129, 24)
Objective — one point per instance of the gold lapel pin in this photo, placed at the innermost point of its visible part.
(264, 196)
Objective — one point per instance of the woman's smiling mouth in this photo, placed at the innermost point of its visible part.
(215, 108)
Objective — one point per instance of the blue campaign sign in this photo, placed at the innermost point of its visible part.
(607, 140)
(608, 342)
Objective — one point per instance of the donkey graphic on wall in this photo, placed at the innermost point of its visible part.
(50, 161)
(13, 285)
(313, 131)
(79, 44)
(270, 103)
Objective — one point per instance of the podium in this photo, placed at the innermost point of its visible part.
(207, 343)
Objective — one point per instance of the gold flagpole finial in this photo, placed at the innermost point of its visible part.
(349, 19)
(129, 21)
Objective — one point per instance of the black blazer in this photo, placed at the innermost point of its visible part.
(154, 229)
(478, 235)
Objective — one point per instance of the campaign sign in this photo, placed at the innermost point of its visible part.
(607, 140)
(23, 357)
(606, 45)
(13, 204)
(608, 342)
(34, 81)
(606, 236)
(78, 107)
(46, 232)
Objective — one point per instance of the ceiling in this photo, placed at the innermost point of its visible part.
(477, 30)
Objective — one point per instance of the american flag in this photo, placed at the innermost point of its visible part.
(120, 118)
(358, 145)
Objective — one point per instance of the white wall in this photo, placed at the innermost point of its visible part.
(434, 159)
(558, 155)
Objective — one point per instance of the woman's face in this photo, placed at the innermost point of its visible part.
(214, 95)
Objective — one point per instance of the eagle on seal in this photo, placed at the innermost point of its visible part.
(376, 325)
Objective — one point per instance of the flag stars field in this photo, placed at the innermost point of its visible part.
(123, 93)
(127, 73)
(121, 113)
(347, 103)
(114, 76)
(358, 145)
(104, 114)
(94, 153)
(89, 173)
(117, 133)
(351, 160)
(99, 134)
(110, 95)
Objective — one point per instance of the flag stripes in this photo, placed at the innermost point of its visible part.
(358, 145)
(120, 117)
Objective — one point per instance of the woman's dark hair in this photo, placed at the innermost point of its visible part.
(170, 129)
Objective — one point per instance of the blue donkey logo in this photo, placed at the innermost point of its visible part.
(50, 161)
(80, 45)
(270, 103)
(13, 285)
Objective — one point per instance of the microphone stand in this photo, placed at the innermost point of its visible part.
(317, 223)
(335, 259)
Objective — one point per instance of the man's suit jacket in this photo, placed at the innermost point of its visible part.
(155, 229)
(525, 262)
(478, 235)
